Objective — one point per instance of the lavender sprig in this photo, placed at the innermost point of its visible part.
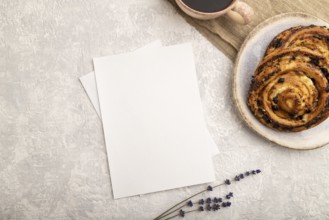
(183, 203)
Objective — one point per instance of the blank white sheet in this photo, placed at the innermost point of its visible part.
(155, 134)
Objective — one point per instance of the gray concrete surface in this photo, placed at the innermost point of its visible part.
(53, 163)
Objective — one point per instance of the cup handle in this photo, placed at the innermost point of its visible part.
(242, 13)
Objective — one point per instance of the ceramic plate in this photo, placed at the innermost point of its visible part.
(250, 54)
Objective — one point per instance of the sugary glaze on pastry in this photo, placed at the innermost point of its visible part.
(289, 90)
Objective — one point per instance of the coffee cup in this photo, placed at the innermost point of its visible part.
(238, 11)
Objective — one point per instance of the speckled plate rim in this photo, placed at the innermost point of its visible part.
(251, 35)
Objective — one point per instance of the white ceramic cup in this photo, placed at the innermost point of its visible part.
(238, 11)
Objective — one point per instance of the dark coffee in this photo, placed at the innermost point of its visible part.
(208, 6)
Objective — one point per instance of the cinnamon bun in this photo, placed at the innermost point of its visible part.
(290, 90)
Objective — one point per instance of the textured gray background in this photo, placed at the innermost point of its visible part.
(53, 163)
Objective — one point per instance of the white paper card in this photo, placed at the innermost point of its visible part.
(155, 134)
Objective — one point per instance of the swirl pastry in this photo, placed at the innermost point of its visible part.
(312, 37)
(289, 90)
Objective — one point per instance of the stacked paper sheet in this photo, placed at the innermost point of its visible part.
(155, 134)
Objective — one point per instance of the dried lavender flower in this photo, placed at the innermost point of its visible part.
(228, 196)
(181, 213)
(236, 178)
(227, 182)
(215, 207)
(201, 209)
(190, 203)
(226, 204)
(208, 200)
(208, 207)
(201, 202)
(209, 188)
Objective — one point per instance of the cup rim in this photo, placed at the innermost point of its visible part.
(209, 13)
